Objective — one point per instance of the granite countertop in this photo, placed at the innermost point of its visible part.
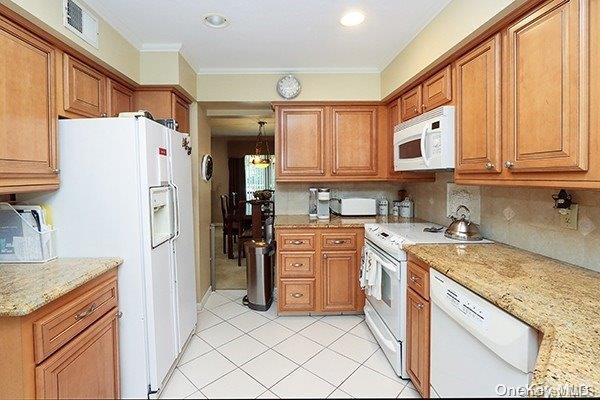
(26, 287)
(560, 300)
(303, 221)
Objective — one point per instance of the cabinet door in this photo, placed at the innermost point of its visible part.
(339, 275)
(120, 98)
(84, 89)
(417, 332)
(301, 141)
(181, 113)
(27, 111)
(354, 141)
(478, 110)
(437, 90)
(85, 368)
(547, 86)
(411, 104)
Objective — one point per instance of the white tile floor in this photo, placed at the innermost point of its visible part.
(239, 353)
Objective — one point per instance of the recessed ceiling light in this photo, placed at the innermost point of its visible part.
(352, 18)
(215, 21)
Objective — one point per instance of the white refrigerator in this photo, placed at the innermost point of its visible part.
(126, 191)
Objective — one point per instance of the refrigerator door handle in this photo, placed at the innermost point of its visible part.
(177, 223)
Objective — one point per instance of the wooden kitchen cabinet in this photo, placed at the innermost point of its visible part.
(437, 90)
(301, 141)
(547, 84)
(411, 103)
(339, 271)
(354, 141)
(418, 327)
(317, 270)
(28, 147)
(478, 109)
(417, 332)
(84, 89)
(85, 368)
(68, 348)
(120, 98)
(164, 102)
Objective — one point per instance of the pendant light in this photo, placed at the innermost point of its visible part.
(262, 158)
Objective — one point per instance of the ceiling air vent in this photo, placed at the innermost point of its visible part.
(81, 21)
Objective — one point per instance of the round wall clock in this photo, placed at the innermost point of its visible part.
(288, 87)
(206, 167)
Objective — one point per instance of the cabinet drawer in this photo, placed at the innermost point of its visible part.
(418, 279)
(297, 265)
(296, 241)
(57, 328)
(296, 295)
(338, 241)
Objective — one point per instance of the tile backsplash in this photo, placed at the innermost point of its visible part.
(521, 217)
(292, 198)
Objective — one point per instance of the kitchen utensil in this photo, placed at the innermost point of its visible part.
(462, 228)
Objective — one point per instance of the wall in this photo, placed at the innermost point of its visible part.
(531, 225)
(261, 87)
(167, 67)
(455, 23)
(292, 198)
(202, 203)
(113, 49)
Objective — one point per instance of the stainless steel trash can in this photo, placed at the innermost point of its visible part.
(259, 273)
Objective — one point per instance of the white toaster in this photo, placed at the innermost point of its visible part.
(353, 207)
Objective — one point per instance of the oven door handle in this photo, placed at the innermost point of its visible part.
(423, 148)
(383, 341)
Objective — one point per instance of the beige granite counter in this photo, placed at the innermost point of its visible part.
(26, 287)
(560, 300)
(303, 221)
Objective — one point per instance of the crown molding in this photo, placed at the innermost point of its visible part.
(285, 71)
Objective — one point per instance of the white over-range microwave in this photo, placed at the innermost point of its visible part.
(425, 142)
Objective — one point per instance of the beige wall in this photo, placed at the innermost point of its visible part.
(113, 49)
(167, 67)
(261, 87)
(458, 20)
(201, 144)
(534, 226)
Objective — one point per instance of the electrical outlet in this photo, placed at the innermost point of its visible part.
(568, 217)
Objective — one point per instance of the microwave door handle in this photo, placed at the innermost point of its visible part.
(423, 148)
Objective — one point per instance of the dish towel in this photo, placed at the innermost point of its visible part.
(370, 274)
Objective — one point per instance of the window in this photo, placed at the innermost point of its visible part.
(258, 178)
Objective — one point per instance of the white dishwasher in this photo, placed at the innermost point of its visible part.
(477, 349)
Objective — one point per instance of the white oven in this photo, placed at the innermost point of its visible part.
(425, 142)
(386, 316)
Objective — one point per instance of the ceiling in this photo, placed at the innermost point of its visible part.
(236, 120)
(273, 35)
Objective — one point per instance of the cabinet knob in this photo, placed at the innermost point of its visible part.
(509, 164)
(104, 115)
(489, 166)
(420, 306)
(424, 107)
(414, 279)
(56, 170)
(324, 255)
(297, 295)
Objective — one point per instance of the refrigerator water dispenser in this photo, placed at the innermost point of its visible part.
(162, 215)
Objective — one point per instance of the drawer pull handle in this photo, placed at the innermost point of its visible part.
(420, 306)
(297, 295)
(297, 264)
(82, 314)
(297, 242)
(339, 241)
(414, 279)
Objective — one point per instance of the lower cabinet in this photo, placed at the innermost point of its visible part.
(418, 327)
(67, 349)
(317, 270)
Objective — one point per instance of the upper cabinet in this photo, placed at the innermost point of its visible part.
(120, 98)
(547, 83)
(354, 141)
(27, 112)
(524, 97)
(478, 109)
(437, 90)
(84, 89)
(163, 103)
(300, 141)
(411, 103)
(433, 92)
